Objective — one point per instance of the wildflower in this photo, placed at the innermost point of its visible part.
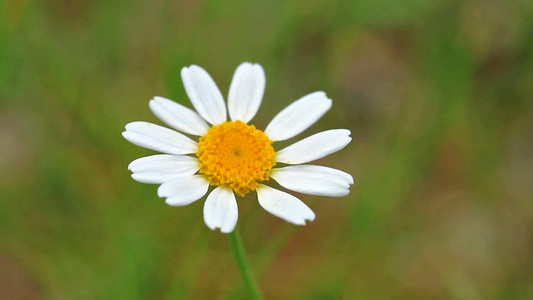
(233, 156)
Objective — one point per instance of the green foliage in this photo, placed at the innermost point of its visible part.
(437, 94)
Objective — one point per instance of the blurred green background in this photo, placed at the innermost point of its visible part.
(438, 96)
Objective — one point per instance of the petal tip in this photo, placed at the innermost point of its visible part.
(168, 201)
(162, 192)
(345, 131)
(158, 100)
(259, 67)
(350, 180)
(184, 73)
(227, 230)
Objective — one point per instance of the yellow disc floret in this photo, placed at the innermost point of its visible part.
(237, 155)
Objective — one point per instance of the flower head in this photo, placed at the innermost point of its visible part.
(233, 156)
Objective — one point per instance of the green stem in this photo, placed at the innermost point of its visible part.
(242, 261)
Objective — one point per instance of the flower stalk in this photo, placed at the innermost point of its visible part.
(243, 264)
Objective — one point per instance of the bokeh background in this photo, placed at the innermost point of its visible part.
(438, 96)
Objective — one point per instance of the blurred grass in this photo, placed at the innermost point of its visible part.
(437, 94)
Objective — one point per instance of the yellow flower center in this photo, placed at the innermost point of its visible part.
(237, 155)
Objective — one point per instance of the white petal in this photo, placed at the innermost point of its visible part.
(246, 92)
(159, 168)
(183, 190)
(204, 94)
(178, 116)
(298, 116)
(283, 205)
(158, 138)
(314, 180)
(314, 147)
(220, 210)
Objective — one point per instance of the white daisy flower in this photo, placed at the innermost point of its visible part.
(233, 156)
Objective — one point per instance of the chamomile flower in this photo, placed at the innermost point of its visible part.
(233, 156)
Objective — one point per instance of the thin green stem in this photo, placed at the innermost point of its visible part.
(244, 266)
